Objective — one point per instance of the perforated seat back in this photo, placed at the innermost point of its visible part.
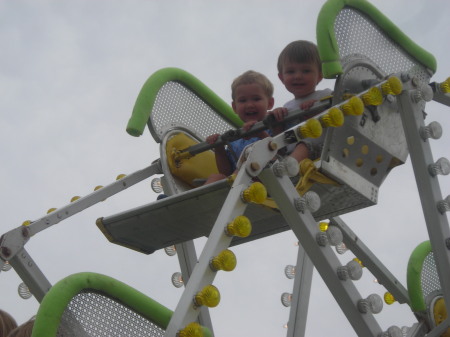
(174, 99)
(90, 304)
(422, 277)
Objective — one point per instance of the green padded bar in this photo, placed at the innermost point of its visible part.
(413, 275)
(59, 296)
(147, 96)
(326, 39)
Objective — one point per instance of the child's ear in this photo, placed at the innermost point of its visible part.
(270, 104)
(280, 76)
(233, 105)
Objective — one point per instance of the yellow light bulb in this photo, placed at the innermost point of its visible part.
(353, 107)
(26, 223)
(226, 261)
(255, 193)
(191, 330)
(323, 226)
(75, 198)
(51, 210)
(393, 86)
(389, 298)
(445, 86)
(120, 176)
(372, 97)
(96, 188)
(209, 296)
(241, 227)
(333, 118)
(311, 129)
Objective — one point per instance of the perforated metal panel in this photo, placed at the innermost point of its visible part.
(357, 34)
(178, 106)
(429, 278)
(93, 314)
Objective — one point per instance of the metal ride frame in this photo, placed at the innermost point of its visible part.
(358, 75)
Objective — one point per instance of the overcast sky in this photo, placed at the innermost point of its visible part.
(70, 72)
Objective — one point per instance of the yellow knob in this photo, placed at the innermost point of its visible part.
(96, 188)
(120, 176)
(323, 226)
(51, 210)
(75, 198)
(26, 223)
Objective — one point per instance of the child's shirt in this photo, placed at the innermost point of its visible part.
(316, 95)
(235, 149)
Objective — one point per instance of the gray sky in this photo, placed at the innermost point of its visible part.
(69, 76)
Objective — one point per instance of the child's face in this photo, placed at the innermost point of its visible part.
(300, 79)
(251, 102)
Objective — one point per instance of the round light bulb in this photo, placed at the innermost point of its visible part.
(177, 280)
(323, 226)
(121, 176)
(334, 235)
(442, 167)
(388, 298)
(352, 270)
(354, 107)
(75, 198)
(333, 118)
(209, 296)
(310, 201)
(171, 250)
(311, 129)
(24, 291)
(6, 266)
(286, 299)
(444, 205)
(289, 271)
(226, 261)
(373, 303)
(432, 130)
(156, 185)
(393, 331)
(289, 166)
(372, 97)
(255, 193)
(393, 86)
(240, 226)
(445, 86)
(191, 330)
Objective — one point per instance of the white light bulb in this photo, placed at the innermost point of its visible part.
(156, 185)
(352, 270)
(171, 250)
(432, 130)
(334, 235)
(6, 266)
(286, 299)
(444, 205)
(289, 271)
(442, 167)
(310, 201)
(24, 292)
(177, 280)
(373, 303)
(289, 166)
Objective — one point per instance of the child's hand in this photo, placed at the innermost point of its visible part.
(212, 139)
(248, 125)
(279, 113)
(307, 104)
